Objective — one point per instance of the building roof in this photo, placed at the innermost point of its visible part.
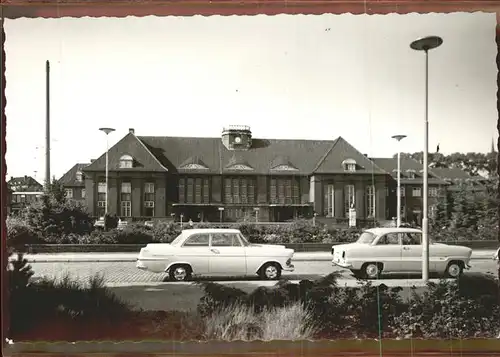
(342, 152)
(144, 159)
(260, 158)
(69, 179)
(456, 177)
(408, 165)
(24, 184)
(451, 173)
(266, 156)
(209, 155)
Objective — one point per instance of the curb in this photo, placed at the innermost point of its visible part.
(124, 260)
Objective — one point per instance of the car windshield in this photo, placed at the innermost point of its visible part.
(245, 242)
(177, 239)
(366, 238)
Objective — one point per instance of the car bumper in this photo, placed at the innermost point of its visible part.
(467, 266)
(289, 268)
(341, 264)
(140, 265)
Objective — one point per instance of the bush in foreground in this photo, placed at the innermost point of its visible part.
(455, 309)
(65, 310)
(241, 322)
(32, 302)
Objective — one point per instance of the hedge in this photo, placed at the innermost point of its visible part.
(466, 308)
(300, 231)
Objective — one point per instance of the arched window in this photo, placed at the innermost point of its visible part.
(126, 162)
(79, 176)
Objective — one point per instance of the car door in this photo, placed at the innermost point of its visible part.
(388, 251)
(412, 252)
(196, 252)
(227, 255)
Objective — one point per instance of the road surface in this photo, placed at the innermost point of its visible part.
(151, 291)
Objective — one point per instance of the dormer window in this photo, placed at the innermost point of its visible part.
(411, 174)
(349, 165)
(79, 176)
(126, 162)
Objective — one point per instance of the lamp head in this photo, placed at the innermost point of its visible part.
(107, 130)
(426, 43)
(398, 137)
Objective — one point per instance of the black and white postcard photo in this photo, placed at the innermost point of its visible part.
(252, 178)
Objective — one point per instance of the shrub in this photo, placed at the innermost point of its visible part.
(19, 273)
(217, 296)
(468, 307)
(240, 322)
(451, 310)
(111, 221)
(298, 232)
(375, 312)
(165, 232)
(19, 233)
(54, 215)
(133, 234)
(48, 299)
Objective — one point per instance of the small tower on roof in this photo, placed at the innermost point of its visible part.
(237, 137)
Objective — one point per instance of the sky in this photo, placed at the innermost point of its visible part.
(286, 76)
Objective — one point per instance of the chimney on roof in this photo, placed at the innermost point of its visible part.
(131, 130)
(92, 160)
(366, 155)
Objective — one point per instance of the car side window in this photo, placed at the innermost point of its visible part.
(389, 239)
(197, 240)
(225, 240)
(411, 239)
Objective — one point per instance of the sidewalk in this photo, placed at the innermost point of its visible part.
(131, 257)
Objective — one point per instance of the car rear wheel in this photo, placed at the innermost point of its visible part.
(270, 271)
(454, 270)
(372, 270)
(180, 273)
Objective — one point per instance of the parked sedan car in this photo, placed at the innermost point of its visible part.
(215, 252)
(398, 250)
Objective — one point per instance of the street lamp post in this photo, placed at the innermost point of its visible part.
(399, 138)
(106, 131)
(425, 44)
(256, 209)
(221, 213)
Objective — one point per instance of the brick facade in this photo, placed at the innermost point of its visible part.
(245, 179)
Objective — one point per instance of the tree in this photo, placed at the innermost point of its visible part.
(472, 162)
(443, 213)
(55, 215)
(462, 216)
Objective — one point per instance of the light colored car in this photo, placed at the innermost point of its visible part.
(215, 252)
(398, 250)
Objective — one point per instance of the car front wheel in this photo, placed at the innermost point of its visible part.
(270, 271)
(180, 273)
(372, 270)
(454, 270)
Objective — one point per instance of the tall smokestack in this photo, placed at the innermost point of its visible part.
(47, 126)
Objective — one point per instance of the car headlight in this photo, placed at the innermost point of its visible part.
(289, 262)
